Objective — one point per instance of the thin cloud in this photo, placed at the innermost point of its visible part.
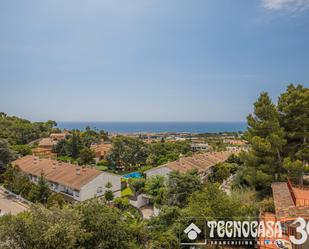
(289, 5)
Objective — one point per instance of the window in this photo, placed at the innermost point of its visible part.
(99, 190)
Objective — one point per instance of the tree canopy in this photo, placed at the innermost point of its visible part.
(278, 138)
(22, 131)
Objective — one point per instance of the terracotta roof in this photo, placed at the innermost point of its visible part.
(58, 136)
(201, 162)
(235, 141)
(288, 207)
(290, 202)
(43, 152)
(47, 142)
(282, 196)
(101, 149)
(41, 149)
(301, 196)
(62, 173)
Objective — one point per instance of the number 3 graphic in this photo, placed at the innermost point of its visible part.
(301, 229)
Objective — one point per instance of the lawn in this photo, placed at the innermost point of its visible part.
(101, 167)
(127, 192)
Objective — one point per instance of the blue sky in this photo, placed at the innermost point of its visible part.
(148, 60)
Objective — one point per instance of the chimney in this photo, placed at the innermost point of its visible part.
(77, 171)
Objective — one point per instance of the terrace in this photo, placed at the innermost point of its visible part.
(11, 204)
(290, 202)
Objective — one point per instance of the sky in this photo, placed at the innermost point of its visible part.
(148, 60)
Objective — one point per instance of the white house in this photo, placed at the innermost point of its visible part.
(72, 181)
(162, 170)
(199, 147)
(203, 163)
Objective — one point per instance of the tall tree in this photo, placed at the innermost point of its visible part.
(155, 187)
(293, 106)
(86, 156)
(6, 155)
(75, 143)
(105, 227)
(181, 185)
(128, 152)
(40, 192)
(89, 137)
(213, 203)
(266, 138)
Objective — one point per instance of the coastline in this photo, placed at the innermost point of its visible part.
(156, 127)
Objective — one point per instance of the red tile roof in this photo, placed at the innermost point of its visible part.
(201, 162)
(62, 173)
(290, 201)
(58, 136)
(47, 142)
(101, 149)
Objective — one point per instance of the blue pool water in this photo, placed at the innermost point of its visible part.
(133, 175)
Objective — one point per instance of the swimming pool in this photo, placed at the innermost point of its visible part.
(133, 175)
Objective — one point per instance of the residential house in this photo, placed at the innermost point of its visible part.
(199, 147)
(58, 136)
(45, 148)
(203, 163)
(101, 150)
(46, 145)
(235, 141)
(75, 183)
(43, 152)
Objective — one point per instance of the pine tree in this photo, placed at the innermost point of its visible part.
(266, 137)
(75, 145)
(293, 106)
(6, 155)
(40, 192)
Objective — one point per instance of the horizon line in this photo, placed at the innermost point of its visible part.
(160, 121)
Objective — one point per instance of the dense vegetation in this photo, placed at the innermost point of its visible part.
(278, 136)
(127, 153)
(21, 131)
(15, 181)
(89, 225)
(132, 153)
(98, 224)
(76, 147)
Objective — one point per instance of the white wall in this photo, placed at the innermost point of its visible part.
(161, 170)
(141, 201)
(89, 190)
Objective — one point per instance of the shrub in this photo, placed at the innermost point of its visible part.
(103, 163)
(122, 203)
(267, 205)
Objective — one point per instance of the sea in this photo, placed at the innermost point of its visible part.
(140, 127)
